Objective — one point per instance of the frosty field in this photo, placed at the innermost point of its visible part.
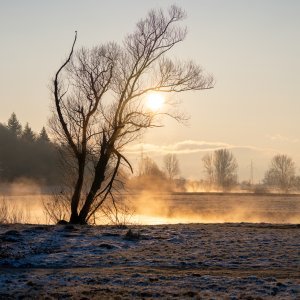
(211, 260)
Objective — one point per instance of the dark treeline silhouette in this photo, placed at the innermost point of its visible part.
(30, 155)
(25, 154)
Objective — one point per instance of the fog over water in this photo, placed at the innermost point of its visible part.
(25, 202)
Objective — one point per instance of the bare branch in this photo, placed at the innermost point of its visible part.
(104, 108)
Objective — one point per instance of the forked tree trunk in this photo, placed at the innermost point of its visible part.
(82, 217)
(74, 218)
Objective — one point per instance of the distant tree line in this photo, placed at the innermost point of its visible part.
(26, 154)
(30, 155)
(220, 169)
(221, 173)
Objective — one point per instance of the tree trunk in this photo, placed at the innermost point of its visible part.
(74, 219)
(96, 185)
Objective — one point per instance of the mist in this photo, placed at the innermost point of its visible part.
(215, 208)
(24, 200)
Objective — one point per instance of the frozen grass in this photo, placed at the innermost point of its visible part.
(210, 261)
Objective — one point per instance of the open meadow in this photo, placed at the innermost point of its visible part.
(198, 261)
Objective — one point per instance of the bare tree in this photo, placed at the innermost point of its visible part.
(150, 168)
(221, 168)
(225, 168)
(281, 173)
(296, 183)
(171, 166)
(99, 102)
(208, 164)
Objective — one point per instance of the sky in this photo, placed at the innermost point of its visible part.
(251, 47)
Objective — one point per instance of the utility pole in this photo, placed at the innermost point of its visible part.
(141, 166)
(251, 173)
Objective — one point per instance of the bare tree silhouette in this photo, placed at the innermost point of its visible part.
(221, 168)
(99, 102)
(281, 173)
(150, 168)
(208, 164)
(171, 166)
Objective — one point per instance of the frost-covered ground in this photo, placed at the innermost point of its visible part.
(209, 261)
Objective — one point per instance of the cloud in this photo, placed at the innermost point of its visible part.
(282, 138)
(185, 147)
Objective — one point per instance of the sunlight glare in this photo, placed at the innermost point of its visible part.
(155, 101)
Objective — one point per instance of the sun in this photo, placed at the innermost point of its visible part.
(155, 101)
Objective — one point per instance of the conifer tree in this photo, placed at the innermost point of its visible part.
(43, 136)
(27, 134)
(14, 125)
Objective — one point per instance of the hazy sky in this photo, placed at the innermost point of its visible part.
(252, 48)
